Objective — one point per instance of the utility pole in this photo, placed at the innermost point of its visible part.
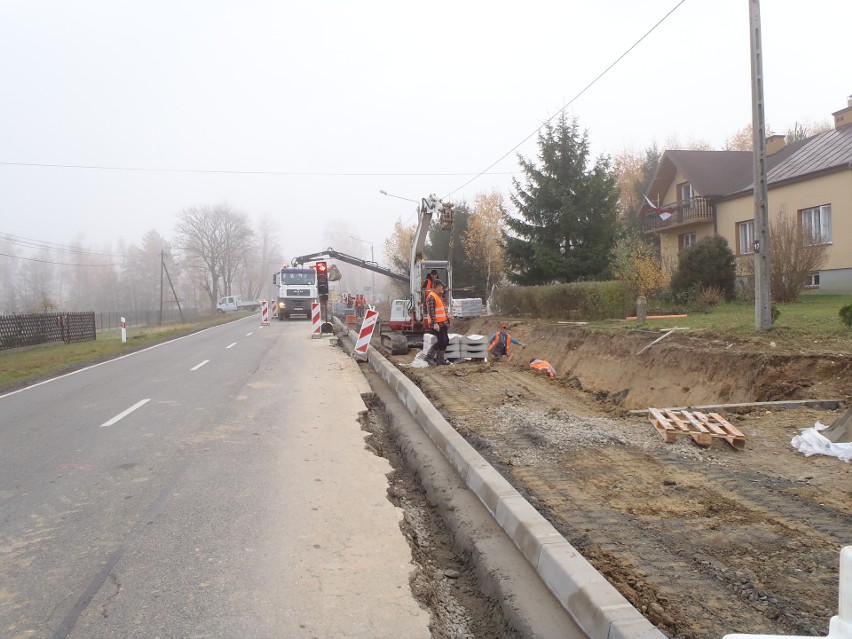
(762, 284)
(162, 268)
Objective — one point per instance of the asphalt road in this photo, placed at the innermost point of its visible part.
(213, 486)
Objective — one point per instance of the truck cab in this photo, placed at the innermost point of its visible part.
(297, 290)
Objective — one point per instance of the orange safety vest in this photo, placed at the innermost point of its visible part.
(440, 309)
(497, 341)
(544, 366)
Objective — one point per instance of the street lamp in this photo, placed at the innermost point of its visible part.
(383, 192)
(372, 259)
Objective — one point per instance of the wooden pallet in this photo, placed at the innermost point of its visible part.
(702, 428)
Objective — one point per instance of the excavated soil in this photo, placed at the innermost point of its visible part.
(704, 541)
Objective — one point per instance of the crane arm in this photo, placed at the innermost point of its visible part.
(349, 259)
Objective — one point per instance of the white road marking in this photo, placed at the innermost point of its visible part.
(197, 366)
(110, 361)
(248, 334)
(126, 413)
(229, 345)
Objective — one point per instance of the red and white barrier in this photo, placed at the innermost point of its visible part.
(316, 322)
(264, 313)
(365, 334)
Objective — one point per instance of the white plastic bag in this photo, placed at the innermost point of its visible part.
(811, 442)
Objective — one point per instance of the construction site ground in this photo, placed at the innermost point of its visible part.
(704, 541)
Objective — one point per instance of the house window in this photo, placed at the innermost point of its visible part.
(745, 238)
(685, 241)
(812, 281)
(816, 224)
(685, 195)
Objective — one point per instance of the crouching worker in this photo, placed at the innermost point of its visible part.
(501, 342)
(543, 366)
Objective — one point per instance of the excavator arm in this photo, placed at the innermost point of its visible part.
(330, 253)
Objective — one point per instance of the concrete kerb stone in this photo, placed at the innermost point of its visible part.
(526, 527)
(589, 598)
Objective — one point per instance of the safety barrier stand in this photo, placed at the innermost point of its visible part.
(365, 334)
(316, 322)
(264, 313)
(840, 626)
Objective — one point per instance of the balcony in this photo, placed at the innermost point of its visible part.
(694, 211)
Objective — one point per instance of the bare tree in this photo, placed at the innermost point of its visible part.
(795, 255)
(804, 130)
(482, 240)
(238, 245)
(199, 236)
(742, 140)
(398, 252)
(266, 257)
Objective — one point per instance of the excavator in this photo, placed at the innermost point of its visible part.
(406, 327)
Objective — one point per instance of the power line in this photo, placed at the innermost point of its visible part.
(53, 246)
(570, 102)
(94, 167)
(32, 259)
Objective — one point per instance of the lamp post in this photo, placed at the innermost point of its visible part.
(383, 192)
(373, 260)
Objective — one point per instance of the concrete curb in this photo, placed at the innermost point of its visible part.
(597, 607)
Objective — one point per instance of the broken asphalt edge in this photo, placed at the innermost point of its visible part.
(598, 608)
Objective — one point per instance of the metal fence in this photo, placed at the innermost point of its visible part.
(39, 328)
(111, 320)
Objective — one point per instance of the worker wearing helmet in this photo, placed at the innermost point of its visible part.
(501, 342)
(439, 323)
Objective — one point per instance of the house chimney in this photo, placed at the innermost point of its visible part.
(844, 116)
(775, 143)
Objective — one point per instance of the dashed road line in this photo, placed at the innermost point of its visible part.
(197, 366)
(232, 344)
(124, 414)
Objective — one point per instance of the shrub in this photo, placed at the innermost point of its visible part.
(575, 301)
(708, 297)
(846, 315)
(709, 262)
(637, 263)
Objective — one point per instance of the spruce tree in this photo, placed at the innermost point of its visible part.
(568, 211)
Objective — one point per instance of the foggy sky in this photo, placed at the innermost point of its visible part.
(305, 111)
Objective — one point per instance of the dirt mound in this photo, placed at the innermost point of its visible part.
(704, 541)
(680, 370)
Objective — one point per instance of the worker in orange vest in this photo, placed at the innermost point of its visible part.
(430, 278)
(501, 342)
(543, 366)
(438, 323)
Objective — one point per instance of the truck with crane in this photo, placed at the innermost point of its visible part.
(406, 323)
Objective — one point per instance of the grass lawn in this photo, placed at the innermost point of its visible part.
(21, 366)
(812, 322)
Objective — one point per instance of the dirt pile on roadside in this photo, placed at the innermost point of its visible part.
(680, 370)
(704, 541)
